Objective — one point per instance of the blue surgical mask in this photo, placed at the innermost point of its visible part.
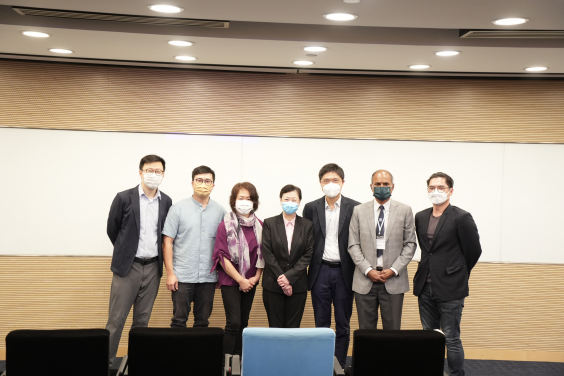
(289, 207)
(382, 193)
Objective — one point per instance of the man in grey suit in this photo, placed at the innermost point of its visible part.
(381, 244)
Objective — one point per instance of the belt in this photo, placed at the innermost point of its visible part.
(146, 261)
(331, 264)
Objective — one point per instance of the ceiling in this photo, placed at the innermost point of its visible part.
(387, 36)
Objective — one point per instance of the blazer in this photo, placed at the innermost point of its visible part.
(400, 245)
(455, 250)
(315, 212)
(123, 229)
(277, 259)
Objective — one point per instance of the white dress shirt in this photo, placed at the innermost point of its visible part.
(148, 223)
(380, 260)
(331, 251)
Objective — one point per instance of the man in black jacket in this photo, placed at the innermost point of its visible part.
(450, 248)
(135, 224)
(331, 271)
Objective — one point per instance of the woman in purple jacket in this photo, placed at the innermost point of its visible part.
(239, 262)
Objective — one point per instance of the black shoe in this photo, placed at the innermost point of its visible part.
(348, 370)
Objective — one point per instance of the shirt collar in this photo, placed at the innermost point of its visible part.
(142, 193)
(338, 203)
(386, 205)
(293, 221)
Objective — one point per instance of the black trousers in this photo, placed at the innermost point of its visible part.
(202, 296)
(237, 306)
(284, 311)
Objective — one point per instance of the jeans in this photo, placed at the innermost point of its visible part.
(446, 316)
(237, 306)
(201, 294)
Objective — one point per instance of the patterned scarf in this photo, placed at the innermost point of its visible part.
(236, 242)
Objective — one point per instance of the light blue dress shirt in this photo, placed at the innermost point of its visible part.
(193, 229)
(148, 223)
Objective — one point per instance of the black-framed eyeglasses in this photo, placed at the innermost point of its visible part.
(151, 171)
(207, 181)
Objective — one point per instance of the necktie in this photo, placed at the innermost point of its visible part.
(380, 229)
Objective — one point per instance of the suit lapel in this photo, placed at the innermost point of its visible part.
(344, 210)
(423, 226)
(372, 222)
(321, 215)
(297, 234)
(162, 215)
(136, 207)
(282, 233)
(391, 218)
(442, 221)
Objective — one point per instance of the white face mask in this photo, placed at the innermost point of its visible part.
(437, 197)
(331, 190)
(243, 207)
(152, 181)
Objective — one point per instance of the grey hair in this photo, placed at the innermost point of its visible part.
(386, 171)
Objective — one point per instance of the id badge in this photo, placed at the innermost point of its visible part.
(380, 243)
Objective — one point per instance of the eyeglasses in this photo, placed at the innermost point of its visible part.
(151, 171)
(327, 181)
(207, 181)
(440, 188)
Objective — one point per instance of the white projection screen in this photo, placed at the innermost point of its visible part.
(58, 185)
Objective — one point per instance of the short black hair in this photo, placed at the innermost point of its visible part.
(290, 188)
(150, 159)
(331, 167)
(448, 179)
(203, 170)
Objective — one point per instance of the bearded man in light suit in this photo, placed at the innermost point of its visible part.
(381, 244)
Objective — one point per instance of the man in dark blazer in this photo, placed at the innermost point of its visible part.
(135, 224)
(331, 271)
(287, 246)
(450, 248)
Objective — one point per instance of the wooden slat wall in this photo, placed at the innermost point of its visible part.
(507, 310)
(110, 98)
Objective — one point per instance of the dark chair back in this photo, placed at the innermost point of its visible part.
(398, 352)
(175, 351)
(58, 352)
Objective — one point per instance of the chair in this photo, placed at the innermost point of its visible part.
(285, 352)
(58, 352)
(398, 352)
(174, 351)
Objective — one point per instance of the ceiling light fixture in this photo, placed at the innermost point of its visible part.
(181, 43)
(447, 53)
(303, 62)
(165, 8)
(185, 58)
(315, 49)
(36, 34)
(61, 51)
(340, 16)
(419, 66)
(510, 21)
(536, 69)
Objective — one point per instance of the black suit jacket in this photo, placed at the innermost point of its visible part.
(277, 259)
(315, 212)
(123, 229)
(455, 250)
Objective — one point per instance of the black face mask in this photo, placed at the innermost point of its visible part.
(382, 193)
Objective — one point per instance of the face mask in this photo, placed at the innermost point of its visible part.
(382, 193)
(331, 190)
(152, 181)
(202, 189)
(243, 207)
(290, 207)
(437, 197)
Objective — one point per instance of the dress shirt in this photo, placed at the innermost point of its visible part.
(193, 229)
(289, 225)
(380, 260)
(148, 223)
(331, 251)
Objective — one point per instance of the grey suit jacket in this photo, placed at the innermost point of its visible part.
(400, 245)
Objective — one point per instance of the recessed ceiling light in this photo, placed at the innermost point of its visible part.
(182, 43)
(165, 8)
(447, 53)
(185, 58)
(36, 34)
(536, 69)
(315, 49)
(340, 16)
(419, 66)
(510, 21)
(61, 51)
(303, 62)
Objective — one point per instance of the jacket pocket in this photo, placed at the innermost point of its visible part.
(452, 269)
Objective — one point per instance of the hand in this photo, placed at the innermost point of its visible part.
(287, 290)
(283, 281)
(375, 276)
(172, 282)
(253, 280)
(245, 285)
(387, 274)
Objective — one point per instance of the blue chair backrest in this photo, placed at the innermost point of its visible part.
(285, 352)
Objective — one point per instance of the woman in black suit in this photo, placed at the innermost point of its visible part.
(287, 247)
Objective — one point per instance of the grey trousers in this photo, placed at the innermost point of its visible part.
(139, 289)
(201, 294)
(390, 305)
